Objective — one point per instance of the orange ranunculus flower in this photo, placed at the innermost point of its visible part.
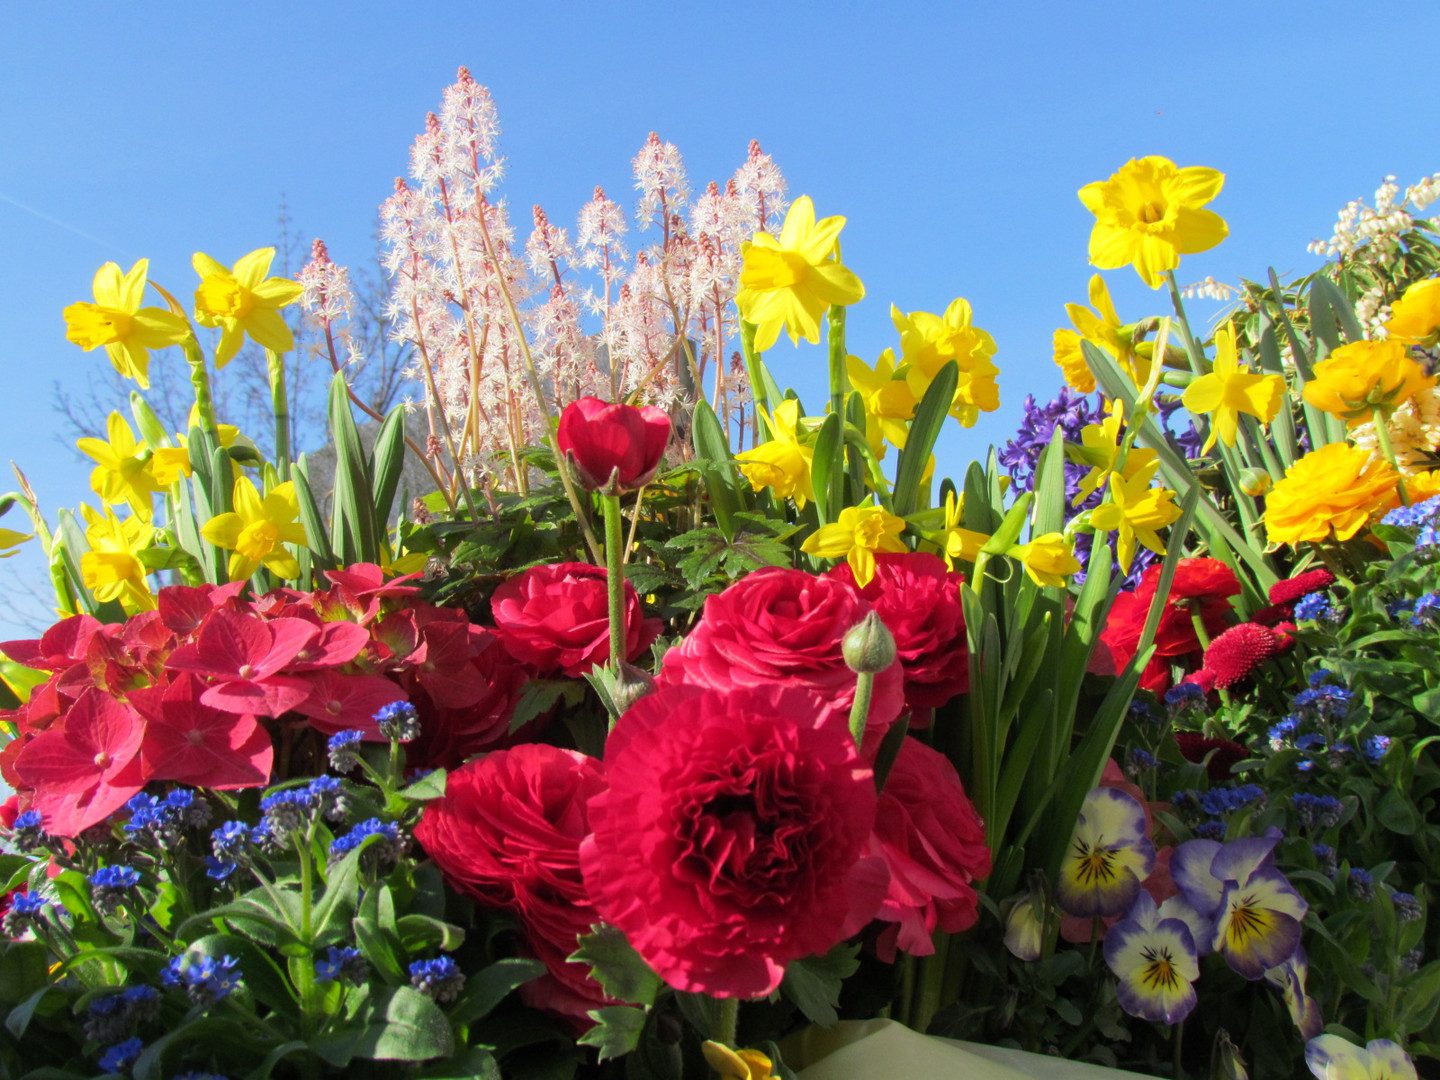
(1359, 378)
(1338, 487)
(1415, 317)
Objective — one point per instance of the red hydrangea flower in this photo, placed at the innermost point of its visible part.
(243, 655)
(1195, 747)
(507, 832)
(918, 599)
(1239, 651)
(1289, 590)
(556, 618)
(189, 742)
(933, 842)
(1204, 584)
(618, 445)
(779, 627)
(732, 837)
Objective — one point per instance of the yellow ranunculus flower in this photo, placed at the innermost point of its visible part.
(1358, 379)
(1149, 214)
(1047, 559)
(859, 533)
(1071, 362)
(783, 463)
(117, 321)
(112, 569)
(928, 342)
(787, 283)
(1230, 389)
(1415, 317)
(244, 301)
(128, 471)
(257, 528)
(1335, 489)
(1135, 511)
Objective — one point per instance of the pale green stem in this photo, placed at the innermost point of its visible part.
(615, 575)
(200, 381)
(727, 1021)
(860, 710)
(280, 406)
(838, 383)
(1382, 442)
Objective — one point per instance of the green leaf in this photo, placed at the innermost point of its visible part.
(814, 983)
(399, 1024)
(485, 990)
(430, 786)
(616, 1031)
(713, 457)
(541, 695)
(149, 1065)
(476, 1063)
(617, 966)
(19, 1018)
(389, 463)
(1396, 813)
(279, 1054)
(353, 527)
(920, 442)
(419, 933)
(827, 443)
(315, 530)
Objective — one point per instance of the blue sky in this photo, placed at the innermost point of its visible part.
(952, 135)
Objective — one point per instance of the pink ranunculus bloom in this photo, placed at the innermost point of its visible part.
(556, 619)
(507, 833)
(733, 836)
(918, 599)
(783, 627)
(612, 444)
(933, 841)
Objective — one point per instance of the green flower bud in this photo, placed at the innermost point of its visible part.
(868, 646)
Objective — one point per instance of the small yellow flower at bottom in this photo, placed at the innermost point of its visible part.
(256, 530)
(1047, 559)
(737, 1064)
(859, 533)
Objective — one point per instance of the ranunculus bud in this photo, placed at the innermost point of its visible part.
(613, 448)
(868, 647)
(1255, 482)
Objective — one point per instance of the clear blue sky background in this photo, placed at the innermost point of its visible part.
(952, 135)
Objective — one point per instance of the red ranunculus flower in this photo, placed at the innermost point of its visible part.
(556, 619)
(616, 447)
(919, 602)
(1205, 584)
(732, 837)
(507, 832)
(933, 841)
(783, 627)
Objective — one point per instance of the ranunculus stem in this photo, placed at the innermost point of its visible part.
(727, 1019)
(615, 575)
(1382, 443)
(860, 710)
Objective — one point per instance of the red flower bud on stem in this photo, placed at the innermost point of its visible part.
(612, 448)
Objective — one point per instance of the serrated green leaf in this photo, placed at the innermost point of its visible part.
(616, 966)
(814, 983)
(616, 1032)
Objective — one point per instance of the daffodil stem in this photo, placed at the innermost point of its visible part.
(727, 1021)
(860, 709)
(280, 406)
(200, 381)
(838, 383)
(754, 367)
(1382, 443)
(615, 575)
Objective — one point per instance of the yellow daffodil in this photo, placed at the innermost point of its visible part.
(1135, 511)
(256, 530)
(1103, 329)
(228, 432)
(244, 301)
(1415, 317)
(1365, 377)
(1230, 389)
(859, 533)
(117, 321)
(1071, 362)
(1149, 214)
(737, 1064)
(1100, 449)
(112, 569)
(1047, 559)
(783, 463)
(128, 471)
(787, 283)
(928, 342)
(10, 540)
(958, 542)
(889, 402)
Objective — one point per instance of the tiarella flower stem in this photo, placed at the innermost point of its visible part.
(615, 575)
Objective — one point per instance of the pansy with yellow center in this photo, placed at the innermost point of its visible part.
(1231, 389)
(112, 569)
(928, 342)
(1365, 377)
(117, 321)
(1154, 960)
(1289, 978)
(1047, 558)
(787, 283)
(1110, 853)
(257, 530)
(1415, 317)
(1150, 213)
(128, 471)
(859, 533)
(1135, 510)
(244, 301)
(783, 463)
(1330, 1057)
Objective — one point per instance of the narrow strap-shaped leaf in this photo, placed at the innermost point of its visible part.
(1339, 305)
(315, 530)
(389, 462)
(714, 458)
(920, 442)
(827, 445)
(353, 512)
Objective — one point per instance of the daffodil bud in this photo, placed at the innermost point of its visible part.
(868, 646)
(1255, 482)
